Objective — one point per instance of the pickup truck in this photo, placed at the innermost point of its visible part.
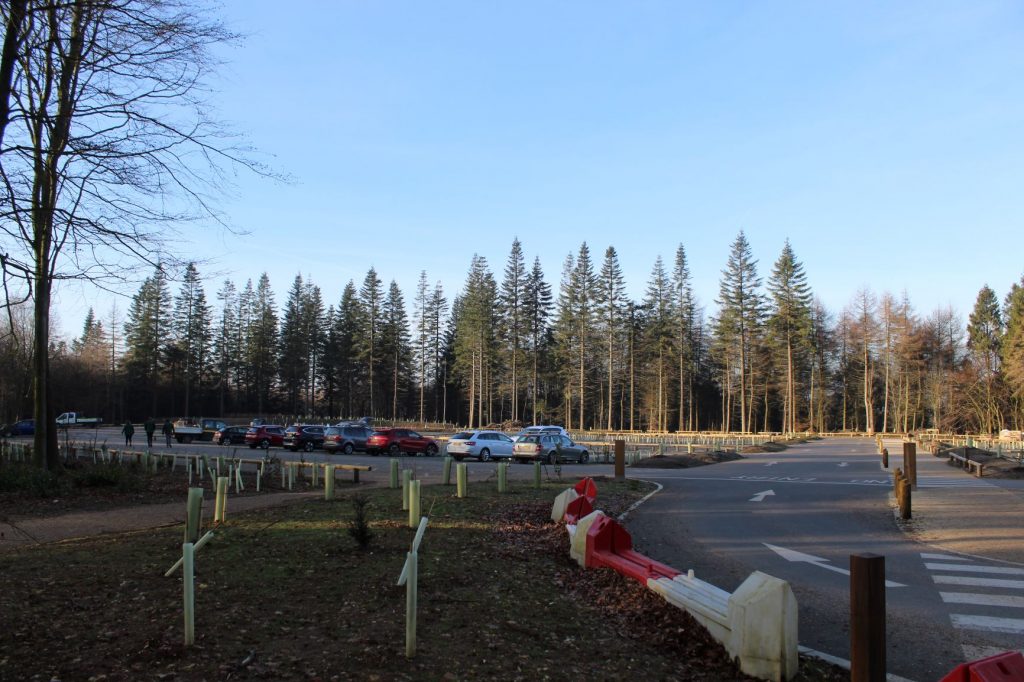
(76, 419)
(188, 430)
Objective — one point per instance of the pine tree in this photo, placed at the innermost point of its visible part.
(984, 341)
(537, 309)
(1012, 349)
(293, 350)
(225, 350)
(262, 343)
(314, 327)
(584, 284)
(565, 331)
(658, 331)
(423, 335)
(146, 328)
(610, 303)
(474, 349)
(371, 299)
(348, 368)
(192, 337)
(790, 324)
(511, 300)
(684, 308)
(437, 317)
(396, 353)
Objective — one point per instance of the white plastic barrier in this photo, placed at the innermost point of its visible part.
(561, 502)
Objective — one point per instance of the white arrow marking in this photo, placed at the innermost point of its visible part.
(793, 555)
(771, 464)
(760, 496)
(843, 464)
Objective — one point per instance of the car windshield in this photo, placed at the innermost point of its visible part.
(465, 435)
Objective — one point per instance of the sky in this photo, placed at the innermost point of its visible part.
(884, 140)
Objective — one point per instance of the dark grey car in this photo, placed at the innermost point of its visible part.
(547, 448)
(346, 438)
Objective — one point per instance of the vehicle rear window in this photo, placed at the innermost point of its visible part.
(530, 439)
(332, 431)
(465, 435)
(354, 431)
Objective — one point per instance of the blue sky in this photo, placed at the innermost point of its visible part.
(885, 140)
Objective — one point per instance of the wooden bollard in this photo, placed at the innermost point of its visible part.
(904, 498)
(394, 474)
(885, 458)
(414, 504)
(461, 479)
(620, 459)
(867, 618)
(406, 480)
(910, 463)
(447, 476)
(329, 482)
(193, 514)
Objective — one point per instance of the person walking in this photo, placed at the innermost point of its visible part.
(128, 430)
(168, 431)
(150, 430)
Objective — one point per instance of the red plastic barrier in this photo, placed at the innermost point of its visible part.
(609, 544)
(586, 488)
(1005, 667)
(577, 509)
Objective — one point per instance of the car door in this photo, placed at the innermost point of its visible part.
(413, 442)
(569, 449)
(502, 445)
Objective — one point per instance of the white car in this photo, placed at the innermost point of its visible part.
(538, 430)
(484, 445)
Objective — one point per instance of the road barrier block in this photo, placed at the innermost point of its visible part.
(578, 538)
(609, 544)
(586, 488)
(561, 503)
(577, 509)
(763, 627)
(1004, 667)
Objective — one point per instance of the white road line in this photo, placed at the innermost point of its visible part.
(1013, 626)
(944, 557)
(968, 568)
(983, 599)
(977, 582)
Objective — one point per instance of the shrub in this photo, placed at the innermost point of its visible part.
(108, 474)
(359, 527)
(30, 480)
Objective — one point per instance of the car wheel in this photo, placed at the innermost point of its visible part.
(348, 449)
(550, 459)
(431, 450)
(309, 446)
(585, 457)
(265, 444)
(252, 447)
(485, 455)
(394, 450)
(375, 453)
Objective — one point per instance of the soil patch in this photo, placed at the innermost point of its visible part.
(685, 461)
(286, 594)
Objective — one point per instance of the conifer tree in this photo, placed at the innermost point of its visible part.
(610, 304)
(371, 300)
(192, 338)
(658, 331)
(262, 343)
(537, 309)
(684, 309)
(395, 348)
(790, 323)
(511, 300)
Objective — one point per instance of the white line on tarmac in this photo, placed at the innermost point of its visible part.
(1013, 626)
(983, 599)
(943, 557)
(763, 479)
(968, 568)
(977, 582)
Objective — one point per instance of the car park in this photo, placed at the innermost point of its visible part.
(22, 427)
(265, 436)
(396, 442)
(484, 445)
(230, 435)
(548, 448)
(346, 438)
(304, 437)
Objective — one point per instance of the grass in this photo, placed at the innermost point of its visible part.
(288, 594)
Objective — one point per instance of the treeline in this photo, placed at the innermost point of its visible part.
(770, 357)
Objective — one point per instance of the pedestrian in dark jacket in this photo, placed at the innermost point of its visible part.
(150, 430)
(128, 432)
(168, 431)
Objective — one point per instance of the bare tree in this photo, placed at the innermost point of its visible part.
(108, 150)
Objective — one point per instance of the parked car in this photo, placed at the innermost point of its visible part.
(230, 435)
(484, 445)
(400, 441)
(547, 447)
(533, 430)
(23, 427)
(187, 430)
(346, 438)
(302, 436)
(265, 436)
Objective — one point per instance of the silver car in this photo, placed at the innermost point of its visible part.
(484, 445)
(549, 448)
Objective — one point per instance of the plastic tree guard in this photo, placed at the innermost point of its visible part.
(610, 545)
(1005, 667)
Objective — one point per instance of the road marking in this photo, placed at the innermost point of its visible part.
(977, 582)
(968, 568)
(771, 464)
(944, 557)
(800, 557)
(1013, 626)
(759, 497)
(843, 464)
(661, 474)
(983, 599)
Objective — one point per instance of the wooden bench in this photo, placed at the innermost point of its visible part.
(355, 469)
(965, 463)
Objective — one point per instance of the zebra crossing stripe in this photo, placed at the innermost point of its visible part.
(982, 599)
(1013, 626)
(977, 582)
(944, 557)
(968, 568)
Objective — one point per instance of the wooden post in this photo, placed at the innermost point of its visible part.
(904, 498)
(406, 480)
(910, 463)
(188, 558)
(536, 475)
(867, 618)
(461, 479)
(414, 504)
(410, 604)
(620, 459)
(447, 470)
(193, 514)
(885, 458)
(329, 482)
(220, 504)
(394, 474)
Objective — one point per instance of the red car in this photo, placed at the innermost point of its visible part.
(264, 436)
(400, 441)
